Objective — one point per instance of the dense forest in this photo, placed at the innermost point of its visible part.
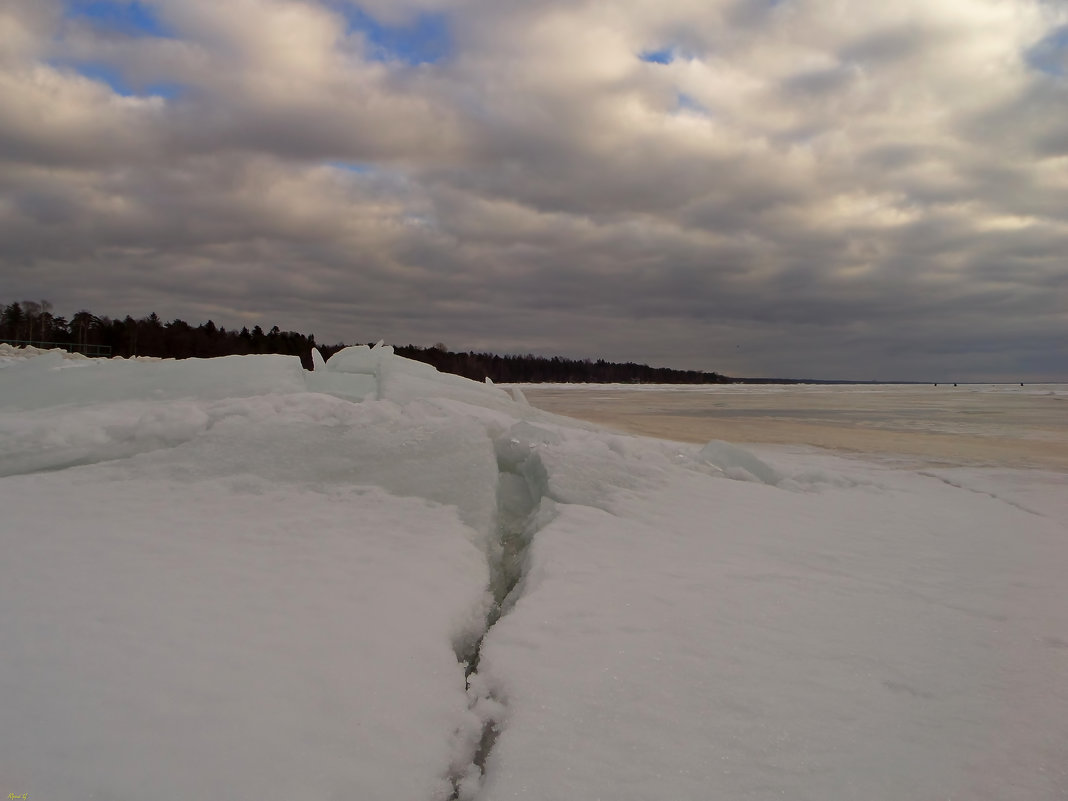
(32, 322)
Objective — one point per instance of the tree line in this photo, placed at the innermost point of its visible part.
(35, 322)
(31, 321)
(555, 369)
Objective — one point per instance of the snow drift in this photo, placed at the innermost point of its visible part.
(372, 581)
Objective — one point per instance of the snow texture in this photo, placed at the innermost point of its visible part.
(237, 579)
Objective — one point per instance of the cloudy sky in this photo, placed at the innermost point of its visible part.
(820, 188)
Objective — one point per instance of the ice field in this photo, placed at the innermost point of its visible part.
(237, 579)
(975, 424)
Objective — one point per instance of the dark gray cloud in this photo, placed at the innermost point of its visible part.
(803, 187)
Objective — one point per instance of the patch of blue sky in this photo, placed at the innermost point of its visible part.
(1050, 55)
(664, 55)
(106, 74)
(425, 39)
(131, 18)
(357, 167)
(690, 104)
(168, 91)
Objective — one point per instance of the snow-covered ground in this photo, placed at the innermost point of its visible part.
(237, 579)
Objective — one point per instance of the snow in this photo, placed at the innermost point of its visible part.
(236, 578)
(732, 640)
(233, 638)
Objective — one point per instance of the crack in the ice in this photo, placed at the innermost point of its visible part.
(981, 492)
(523, 508)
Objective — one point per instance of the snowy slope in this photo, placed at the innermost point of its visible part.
(234, 578)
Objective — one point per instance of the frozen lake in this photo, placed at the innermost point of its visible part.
(237, 578)
(976, 425)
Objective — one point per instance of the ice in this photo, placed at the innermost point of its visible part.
(54, 438)
(52, 380)
(237, 578)
(404, 380)
(360, 359)
(971, 424)
(737, 463)
(355, 387)
(357, 372)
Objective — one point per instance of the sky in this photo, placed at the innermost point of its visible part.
(795, 188)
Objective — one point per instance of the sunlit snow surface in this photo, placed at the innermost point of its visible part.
(235, 579)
